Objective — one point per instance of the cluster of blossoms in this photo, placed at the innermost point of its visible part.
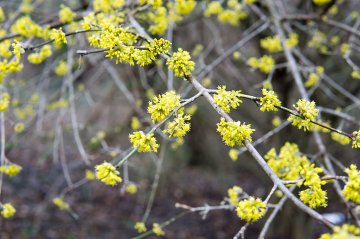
(314, 77)
(265, 63)
(271, 44)
(10, 169)
(4, 101)
(28, 28)
(144, 142)
(227, 99)
(161, 106)
(342, 139)
(356, 141)
(157, 230)
(58, 36)
(292, 41)
(232, 14)
(37, 58)
(140, 227)
(179, 126)
(107, 174)
(321, 2)
(290, 164)
(345, 231)
(180, 62)
(61, 68)
(351, 190)
(234, 133)
(7, 210)
(269, 101)
(161, 15)
(251, 209)
(61, 204)
(66, 15)
(233, 194)
(307, 111)
(313, 196)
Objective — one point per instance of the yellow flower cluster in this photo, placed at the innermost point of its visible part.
(180, 62)
(5, 49)
(265, 64)
(292, 41)
(17, 49)
(9, 67)
(89, 175)
(251, 209)
(345, 231)
(58, 104)
(37, 58)
(233, 154)
(7, 210)
(140, 227)
(107, 174)
(307, 111)
(227, 99)
(131, 188)
(178, 127)
(61, 204)
(355, 74)
(61, 68)
(232, 14)
(135, 123)
(318, 40)
(144, 142)
(233, 194)
(108, 6)
(11, 169)
(28, 28)
(161, 106)
(58, 36)
(184, 7)
(4, 101)
(157, 230)
(342, 139)
(234, 133)
(351, 190)
(66, 15)
(314, 196)
(269, 101)
(271, 44)
(19, 127)
(314, 77)
(321, 2)
(356, 141)
(286, 164)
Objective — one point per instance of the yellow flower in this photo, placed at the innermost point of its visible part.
(7, 210)
(342, 139)
(61, 68)
(271, 44)
(19, 127)
(131, 188)
(66, 15)
(140, 227)
(61, 204)
(178, 127)
(276, 121)
(233, 154)
(314, 197)
(156, 228)
(233, 194)
(292, 41)
(58, 36)
(265, 64)
(269, 101)
(183, 7)
(251, 209)
(89, 175)
(4, 102)
(346, 231)
(161, 106)
(307, 111)
(107, 174)
(11, 169)
(135, 123)
(312, 80)
(180, 62)
(351, 190)
(227, 99)
(2, 15)
(234, 133)
(144, 142)
(356, 141)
